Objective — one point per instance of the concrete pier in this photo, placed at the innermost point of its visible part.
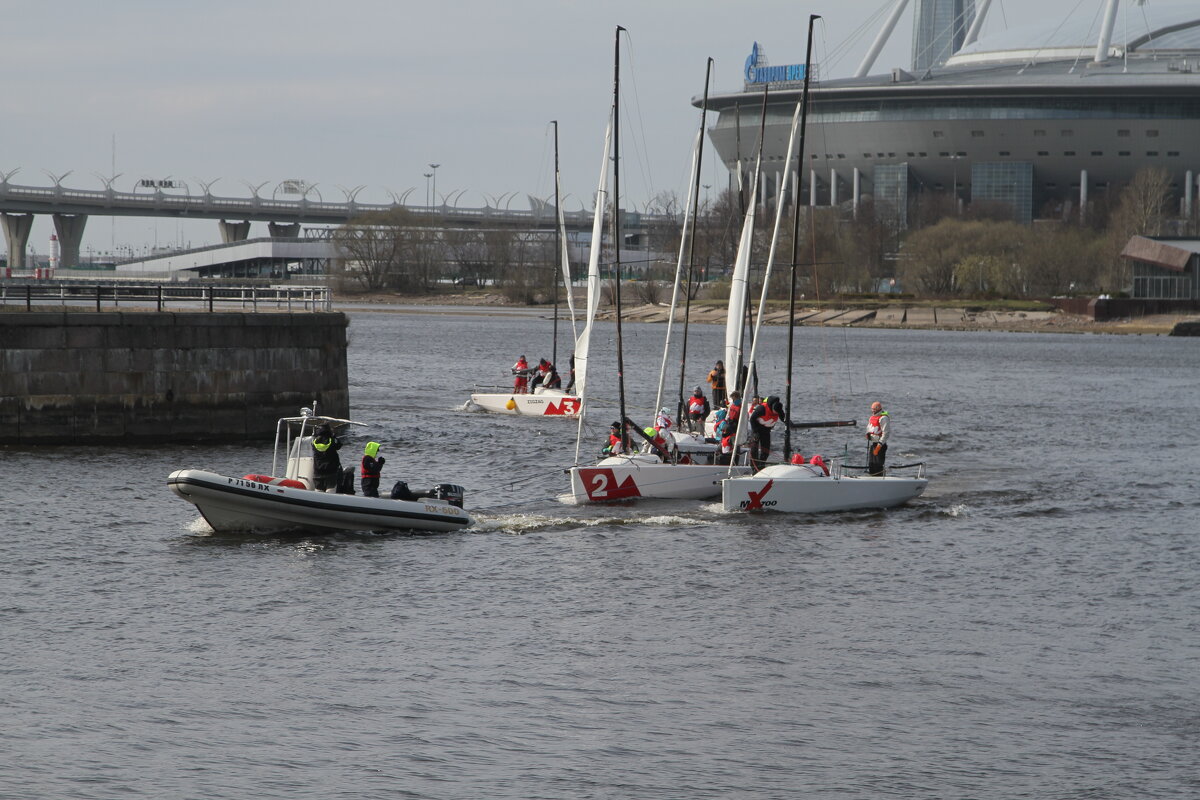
(88, 378)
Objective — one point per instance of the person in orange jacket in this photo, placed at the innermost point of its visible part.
(878, 430)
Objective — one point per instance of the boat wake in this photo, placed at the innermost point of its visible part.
(519, 523)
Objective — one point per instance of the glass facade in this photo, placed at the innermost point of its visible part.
(1007, 182)
(939, 28)
(891, 193)
(1152, 282)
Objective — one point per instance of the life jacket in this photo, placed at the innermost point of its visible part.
(371, 469)
(521, 365)
(717, 379)
(734, 410)
(614, 443)
(697, 405)
(769, 417)
(727, 443)
(874, 427)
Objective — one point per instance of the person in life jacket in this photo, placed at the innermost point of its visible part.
(732, 412)
(552, 380)
(878, 429)
(327, 466)
(658, 443)
(521, 371)
(764, 416)
(697, 410)
(372, 464)
(614, 447)
(541, 373)
(716, 379)
(662, 422)
(726, 454)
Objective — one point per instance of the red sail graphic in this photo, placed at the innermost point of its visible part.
(601, 484)
(568, 407)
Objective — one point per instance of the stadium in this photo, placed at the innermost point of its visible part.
(1043, 119)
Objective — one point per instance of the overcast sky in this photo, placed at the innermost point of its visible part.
(371, 92)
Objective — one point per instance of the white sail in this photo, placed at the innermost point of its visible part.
(766, 281)
(565, 254)
(683, 243)
(583, 342)
(739, 285)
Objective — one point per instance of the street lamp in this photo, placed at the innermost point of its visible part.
(427, 175)
(434, 168)
(955, 159)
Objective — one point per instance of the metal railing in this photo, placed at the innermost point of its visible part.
(111, 296)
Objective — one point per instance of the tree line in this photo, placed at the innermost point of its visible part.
(944, 251)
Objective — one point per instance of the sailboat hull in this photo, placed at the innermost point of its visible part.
(798, 490)
(542, 403)
(632, 477)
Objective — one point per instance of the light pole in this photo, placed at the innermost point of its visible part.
(955, 159)
(434, 168)
(427, 175)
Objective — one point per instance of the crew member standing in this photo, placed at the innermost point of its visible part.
(327, 466)
(878, 430)
(716, 379)
(372, 464)
(521, 371)
(763, 418)
(697, 410)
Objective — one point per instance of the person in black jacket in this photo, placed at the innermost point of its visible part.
(327, 466)
(372, 464)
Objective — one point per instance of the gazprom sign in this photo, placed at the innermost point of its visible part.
(757, 73)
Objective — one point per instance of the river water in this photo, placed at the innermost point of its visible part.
(1028, 628)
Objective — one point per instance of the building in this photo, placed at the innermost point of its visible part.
(1040, 119)
(1164, 268)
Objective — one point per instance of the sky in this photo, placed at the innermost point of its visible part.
(366, 94)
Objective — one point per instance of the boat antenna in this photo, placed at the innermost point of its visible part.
(557, 246)
(787, 428)
(616, 200)
(687, 301)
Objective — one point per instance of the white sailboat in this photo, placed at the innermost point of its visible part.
(693, 474)
(807, 488)
(542, 401)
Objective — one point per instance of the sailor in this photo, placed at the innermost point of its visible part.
(726, 455)
(732, 412)
(878, 430)
(697, 410)
(571, 375)
(552, 380)
(372, 463)
(764, 416)
(658, 443)
(614, 447)
(521, 371)
(542, 373)
(716, 379)
(662, 422)
(327, 466)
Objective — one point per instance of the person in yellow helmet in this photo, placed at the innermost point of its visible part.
(327, 466)
(372, 464)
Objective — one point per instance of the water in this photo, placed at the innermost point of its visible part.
(1026, 629)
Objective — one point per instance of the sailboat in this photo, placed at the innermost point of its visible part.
(543, 401)
(694, 475)
(801, 487)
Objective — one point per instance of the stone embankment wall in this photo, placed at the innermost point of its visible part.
(72, 377)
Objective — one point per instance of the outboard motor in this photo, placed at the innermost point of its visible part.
(450, 492)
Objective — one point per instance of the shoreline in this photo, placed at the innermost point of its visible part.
(940, 317)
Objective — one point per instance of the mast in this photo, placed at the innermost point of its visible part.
(787, 428)
(557, 211)
(687, 303)
(617, 240)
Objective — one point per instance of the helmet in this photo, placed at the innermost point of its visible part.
(698, 391)
(372, 449)
(616, 425)
(649, 432)
(664, 410)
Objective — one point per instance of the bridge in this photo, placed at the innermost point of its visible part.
(71, 208)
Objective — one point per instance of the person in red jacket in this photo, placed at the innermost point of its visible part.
(697, 410)
(521, 371)
(763, 418)
(878, 429)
